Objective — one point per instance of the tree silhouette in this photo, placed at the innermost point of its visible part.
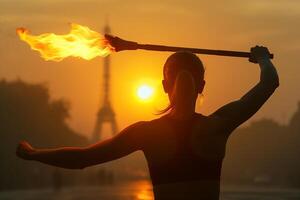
(27, 113)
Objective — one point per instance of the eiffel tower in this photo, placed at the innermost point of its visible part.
(106, 113)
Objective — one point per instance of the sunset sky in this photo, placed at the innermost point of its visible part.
(232, 25)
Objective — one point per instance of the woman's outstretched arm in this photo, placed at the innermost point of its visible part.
(80, 157)
(237, 112)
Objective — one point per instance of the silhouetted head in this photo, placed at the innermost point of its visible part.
(183, 80)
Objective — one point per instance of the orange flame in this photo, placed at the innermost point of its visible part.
(80, 42)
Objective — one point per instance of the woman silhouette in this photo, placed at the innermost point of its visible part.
(184, 149)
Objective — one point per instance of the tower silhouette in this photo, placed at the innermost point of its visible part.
(106, 113)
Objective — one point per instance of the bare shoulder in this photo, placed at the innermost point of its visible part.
(135, 128)
(143, 127)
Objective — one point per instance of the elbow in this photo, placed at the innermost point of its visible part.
(84, 159)
(81, 161)
(276, 83)
(82, 166)
(73, 165)
(77, 166)
(272, 84)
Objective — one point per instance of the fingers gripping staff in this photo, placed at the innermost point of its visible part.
(259, 53)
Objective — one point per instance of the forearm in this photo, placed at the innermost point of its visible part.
(67, 157)
(269, 81)
(268, 75)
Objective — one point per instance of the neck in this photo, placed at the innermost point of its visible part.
(183, 112)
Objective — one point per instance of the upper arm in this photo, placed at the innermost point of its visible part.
(122, 144)
(237, 112)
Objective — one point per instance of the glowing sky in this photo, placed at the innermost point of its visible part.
(231, 24)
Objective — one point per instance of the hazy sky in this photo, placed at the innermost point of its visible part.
(230, 24)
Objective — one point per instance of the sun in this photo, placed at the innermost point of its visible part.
(145, 92)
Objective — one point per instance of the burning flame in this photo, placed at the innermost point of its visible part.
(80, 42)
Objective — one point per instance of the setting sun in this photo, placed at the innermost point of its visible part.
(145, 92)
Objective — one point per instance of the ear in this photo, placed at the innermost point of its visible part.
(165, 86)
(201, 86)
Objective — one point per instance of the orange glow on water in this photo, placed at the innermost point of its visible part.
(144, 191)
(81, 42)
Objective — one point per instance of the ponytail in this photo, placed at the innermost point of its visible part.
(183, 93)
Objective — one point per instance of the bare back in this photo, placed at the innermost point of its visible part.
(184, 156)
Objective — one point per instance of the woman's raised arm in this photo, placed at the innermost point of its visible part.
(237, 112)
(116, 147)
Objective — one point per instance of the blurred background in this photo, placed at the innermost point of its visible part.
(53, 104)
